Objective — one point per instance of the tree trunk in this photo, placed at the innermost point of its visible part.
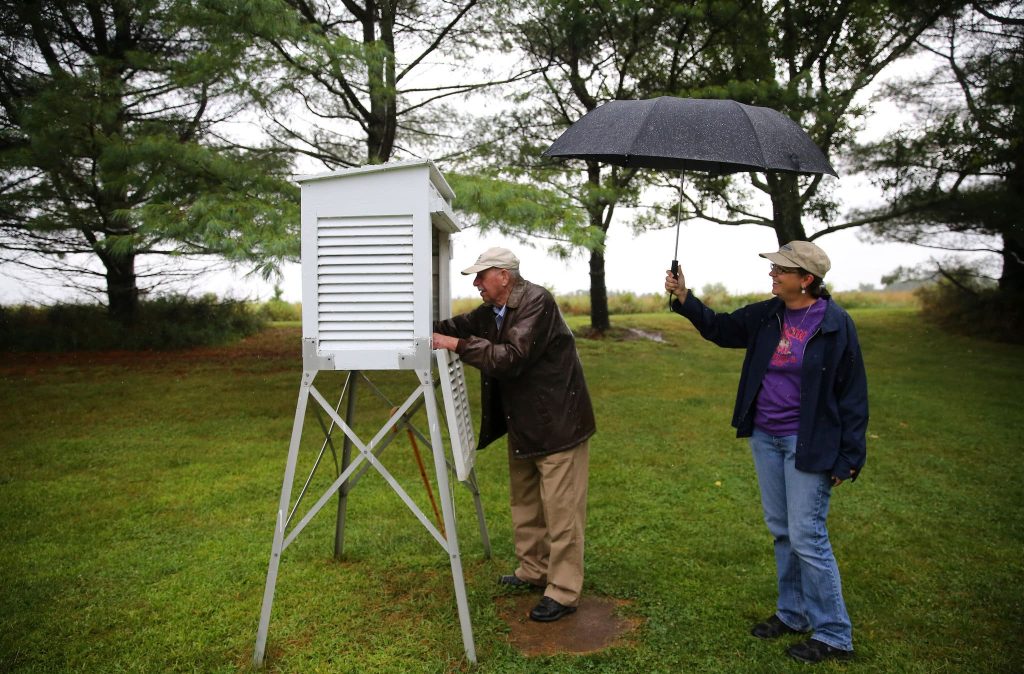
(599, 319)
(382, 122)
(1011, 281)
(122, 291)
(786, 208)
(346, 459)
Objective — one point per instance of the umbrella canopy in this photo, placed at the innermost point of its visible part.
(691, 134)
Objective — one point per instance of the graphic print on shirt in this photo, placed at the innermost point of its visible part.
(784, 350)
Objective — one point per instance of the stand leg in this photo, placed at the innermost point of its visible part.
(448, 512)
(346, 458)
(475, 490)
(282, 514)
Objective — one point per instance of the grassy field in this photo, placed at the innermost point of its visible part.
(137, 499)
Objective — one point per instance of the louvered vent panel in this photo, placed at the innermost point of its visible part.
(456, 403)
(460, 398)
(365, 282)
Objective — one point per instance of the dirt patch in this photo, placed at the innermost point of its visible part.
(595, 626)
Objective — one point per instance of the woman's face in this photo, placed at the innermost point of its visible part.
(787, 281)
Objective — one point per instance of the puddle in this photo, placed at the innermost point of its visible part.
(641, 334)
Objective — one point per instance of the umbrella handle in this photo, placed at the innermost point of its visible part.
(675, 274)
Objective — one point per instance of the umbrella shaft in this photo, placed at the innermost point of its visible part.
(679, 215)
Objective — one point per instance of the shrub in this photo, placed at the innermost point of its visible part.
(978, 311)
(279, 310)
(172, 322)
(717, 297)
(576, 304)
(876, 299)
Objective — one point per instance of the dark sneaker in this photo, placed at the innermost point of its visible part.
(772, 629)
(814, 651)
(516, 582)
(549, 610)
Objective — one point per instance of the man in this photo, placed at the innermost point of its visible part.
(532, 388)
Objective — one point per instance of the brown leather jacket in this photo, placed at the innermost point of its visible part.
(532, 382)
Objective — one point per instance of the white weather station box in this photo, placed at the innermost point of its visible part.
(375, 264)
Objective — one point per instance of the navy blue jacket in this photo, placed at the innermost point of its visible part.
(833, 385)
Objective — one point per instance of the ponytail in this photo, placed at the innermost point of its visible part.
(817, 287)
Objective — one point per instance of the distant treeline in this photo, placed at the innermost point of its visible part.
(179, 322)
(714, 295)
(174, 322)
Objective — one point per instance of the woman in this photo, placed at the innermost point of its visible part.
(802, 401)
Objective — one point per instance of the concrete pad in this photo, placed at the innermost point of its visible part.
(595, 626)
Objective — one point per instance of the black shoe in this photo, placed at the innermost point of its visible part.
(813, 651)
(517, 582)
(772, 629)
(549, 610)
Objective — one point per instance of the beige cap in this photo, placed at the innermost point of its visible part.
(803, 254)
(502, 258)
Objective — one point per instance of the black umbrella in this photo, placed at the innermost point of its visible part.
(691, 134)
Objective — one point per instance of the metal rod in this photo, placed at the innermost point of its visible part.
(481, 522)
(679, 217)
(346, 458)
(679, 214)
(312, 471)
(423, 476)
(319, 457)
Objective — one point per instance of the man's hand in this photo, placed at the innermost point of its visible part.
(439, 341)
(676, 286)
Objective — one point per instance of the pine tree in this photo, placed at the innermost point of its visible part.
(953, 177)
(108, 144)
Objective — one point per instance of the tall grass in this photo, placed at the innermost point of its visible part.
(715, 296)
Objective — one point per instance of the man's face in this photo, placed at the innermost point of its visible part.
(493, 285)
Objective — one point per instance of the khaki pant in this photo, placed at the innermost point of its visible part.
(549, 513)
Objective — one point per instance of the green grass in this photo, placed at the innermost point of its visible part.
(137, 499)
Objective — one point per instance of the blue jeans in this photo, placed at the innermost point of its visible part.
(795, 508)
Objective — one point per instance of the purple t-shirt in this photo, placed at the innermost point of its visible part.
(778, 401)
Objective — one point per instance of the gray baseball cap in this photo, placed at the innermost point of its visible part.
(803, 254)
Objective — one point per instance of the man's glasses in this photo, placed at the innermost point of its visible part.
(776, 270)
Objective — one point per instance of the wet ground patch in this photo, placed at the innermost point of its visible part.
(599, 623)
